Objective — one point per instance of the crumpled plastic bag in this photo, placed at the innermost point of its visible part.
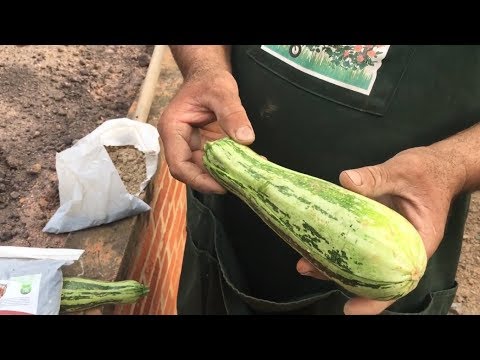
(31, 279)
(90, 188)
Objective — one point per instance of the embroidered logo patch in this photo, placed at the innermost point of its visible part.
(353, 67)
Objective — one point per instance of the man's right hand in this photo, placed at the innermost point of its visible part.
(207, 107)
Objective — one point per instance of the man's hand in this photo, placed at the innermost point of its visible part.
(420, 184)
(207, 107)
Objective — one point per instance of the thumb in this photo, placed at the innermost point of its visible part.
(370, 181)
(234, 121)
(232, 117)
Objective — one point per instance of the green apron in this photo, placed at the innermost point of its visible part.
(234, 264)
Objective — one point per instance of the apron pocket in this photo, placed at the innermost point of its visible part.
(199, 289)
(201, 225)
(437, 303)
(377, 101)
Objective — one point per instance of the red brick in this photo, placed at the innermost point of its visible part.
(167, 280)
(176, 281)
(168, 225)
(151, 219)
(165, 223)
(163, 306)
(179, 250)
(155, 276)
(176, 233)
(153, 202)
(153, 257)
(172, 194)
(166, 196)
(173, 310)
(142, 251)
(150, 228)
(137, 310)
(163, 172)
(170, 306)
(153, 288)
(148, 269)
(169, 231)
(132, 309)
(121, 310)
(158, 297)
(165, 254)
(179, 195)
(158, 245)
(180, 229)
(181, 201)
(162, 195)
(165, 210)
(180, 221)
(165, 264)
(178, 261)
(158, 181)
(157, 302)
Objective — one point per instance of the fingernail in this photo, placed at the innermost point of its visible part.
(355, 177)
(302, 268)
(244, 134)
(346, 309)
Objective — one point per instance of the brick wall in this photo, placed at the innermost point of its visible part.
(158, 256)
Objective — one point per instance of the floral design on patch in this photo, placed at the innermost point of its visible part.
(353, 67)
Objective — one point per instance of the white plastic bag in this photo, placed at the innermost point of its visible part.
(90, 188)
(31, 279)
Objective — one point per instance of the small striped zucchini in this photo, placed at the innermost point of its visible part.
(80, 294)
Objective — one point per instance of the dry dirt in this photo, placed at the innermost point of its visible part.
(131, 166)
(468, 276)
(52, 95)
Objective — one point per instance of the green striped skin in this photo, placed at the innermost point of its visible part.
(362, 245)
(81, 294)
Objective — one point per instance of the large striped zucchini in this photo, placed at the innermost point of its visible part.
(362, 245)
(81, 294)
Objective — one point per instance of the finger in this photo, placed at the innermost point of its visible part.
(363, 306)
(199, 180)
(197, 159)
(232, 117)
(304, 267)
(178, 155)
(195, 140)
(371, 181)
